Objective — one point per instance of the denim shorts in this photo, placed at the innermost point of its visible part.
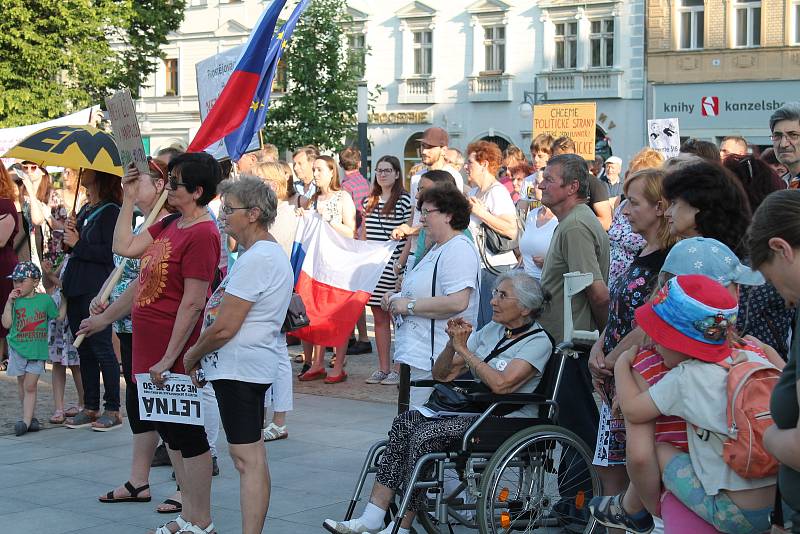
(19, 366)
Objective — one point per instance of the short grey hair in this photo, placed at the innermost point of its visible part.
(790, 111)
(253, 193)
(529, 291)
(573, 167)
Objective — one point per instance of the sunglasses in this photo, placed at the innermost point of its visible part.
(174, 184)
(29, 168)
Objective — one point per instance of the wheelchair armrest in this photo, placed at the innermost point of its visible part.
(510, 398)
(429, 383)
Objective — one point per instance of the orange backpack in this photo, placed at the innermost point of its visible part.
(750, 386)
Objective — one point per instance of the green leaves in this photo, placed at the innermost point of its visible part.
(319, 105)
(58, 56)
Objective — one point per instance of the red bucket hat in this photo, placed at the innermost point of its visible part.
(691, 314)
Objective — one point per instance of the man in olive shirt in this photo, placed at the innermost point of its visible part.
(579, 244)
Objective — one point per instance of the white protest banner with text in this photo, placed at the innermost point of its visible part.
(664, 136)
(128, 138)
(177, 402)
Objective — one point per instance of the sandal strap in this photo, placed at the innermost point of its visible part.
(135, 491)
(194, 529)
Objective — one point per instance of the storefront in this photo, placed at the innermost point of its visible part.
(712, 111)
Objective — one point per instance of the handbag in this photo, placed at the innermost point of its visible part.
(296, 316)
(495, 242)
(448, 397)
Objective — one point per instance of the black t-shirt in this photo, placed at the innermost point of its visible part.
(785, 412)
(598, 192)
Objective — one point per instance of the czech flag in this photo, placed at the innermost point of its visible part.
(241, 107)
(335, 277)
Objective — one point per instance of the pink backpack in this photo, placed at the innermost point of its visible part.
(750, 386)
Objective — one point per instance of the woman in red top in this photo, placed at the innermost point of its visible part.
(178, 261)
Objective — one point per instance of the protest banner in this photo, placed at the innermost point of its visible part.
(212, 75)
(664, 136)
(577, 121)
(125, 125)
(177, 402)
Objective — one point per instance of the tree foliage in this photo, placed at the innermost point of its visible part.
(319, 106)
(58, 56)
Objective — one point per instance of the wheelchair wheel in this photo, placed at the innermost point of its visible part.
(427, 518)
(541, 477)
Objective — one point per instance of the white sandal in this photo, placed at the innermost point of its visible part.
(274, 432)
(194, 529)
(181, 522)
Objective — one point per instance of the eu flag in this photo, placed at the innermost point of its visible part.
(237, 141)
(236, 102)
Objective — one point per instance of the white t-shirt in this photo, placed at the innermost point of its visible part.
(535, 241)
(453, 172)
(697, 392)
(459, 268)
(498, 201)
(285, 226)
(262, 275)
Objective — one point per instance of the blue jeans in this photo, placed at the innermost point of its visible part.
(97, 356)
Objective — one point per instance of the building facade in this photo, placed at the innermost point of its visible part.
(463, 65)
(722, 66)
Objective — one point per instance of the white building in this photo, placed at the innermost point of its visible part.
(464, 65)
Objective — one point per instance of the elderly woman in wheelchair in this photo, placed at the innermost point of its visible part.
(506, 356)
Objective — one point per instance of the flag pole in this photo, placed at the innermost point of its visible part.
(115, 276)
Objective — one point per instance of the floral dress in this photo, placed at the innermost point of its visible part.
(625, 245)
(60, 336)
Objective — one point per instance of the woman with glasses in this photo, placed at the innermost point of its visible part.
(241, 349)
(442, 285)
(336, 208)
(387, 207)
(519, 351)
(117, 313)
(179, 260)
(88, 238)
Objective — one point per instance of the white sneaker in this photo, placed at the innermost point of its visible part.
(392, 379)
(352, 526)
(376, 378)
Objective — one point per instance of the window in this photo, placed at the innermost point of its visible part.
(690, 24)
(196, 3)
(279, 81)
(411, 158)
(171, 68)
(601, 42)
(747, 23)
(357, 47)
(494, 42)
(566, 45)
(796, 18)
(423, 53)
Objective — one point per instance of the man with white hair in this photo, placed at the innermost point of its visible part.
(611, 178)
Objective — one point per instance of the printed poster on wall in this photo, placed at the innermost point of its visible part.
(177, 402)
(578, 121)
(664, 135)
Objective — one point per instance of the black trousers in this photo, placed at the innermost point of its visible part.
(131, 394)
(97, 356)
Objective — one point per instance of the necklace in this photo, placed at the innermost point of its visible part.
(518, 330)
(186, 221)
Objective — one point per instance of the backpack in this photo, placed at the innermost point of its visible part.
(750, 386)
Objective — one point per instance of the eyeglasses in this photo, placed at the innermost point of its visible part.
(227, 210)
(501, 295)
(384, 171)
(174, 184)
(29, 168)
(426, 211)
(792, 137)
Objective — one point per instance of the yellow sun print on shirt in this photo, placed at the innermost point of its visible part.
(153, 271)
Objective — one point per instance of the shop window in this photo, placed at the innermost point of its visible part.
(423, 53)
(691, 19)
(566, 40)
(747, 23)
(494, 44)
(601, 41)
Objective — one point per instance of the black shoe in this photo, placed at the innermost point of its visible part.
(20, 428)
(35, 425)
(360, 347)
(160, 457)
(214, 466)
(306, 367)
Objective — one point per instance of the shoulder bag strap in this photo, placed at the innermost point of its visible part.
(433, 294)
(499, 350)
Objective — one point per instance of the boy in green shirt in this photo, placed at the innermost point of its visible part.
(27, 315)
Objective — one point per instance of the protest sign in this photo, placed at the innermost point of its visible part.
(212, 75)
(664, 136)
(177, 402)
(576, 121)
(125, 125)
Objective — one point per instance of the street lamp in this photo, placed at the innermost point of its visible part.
(361, 114)
(530, 99)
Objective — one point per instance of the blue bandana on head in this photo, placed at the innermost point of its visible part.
(691, 317)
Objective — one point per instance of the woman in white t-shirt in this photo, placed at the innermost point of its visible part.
(492, 207)
(442, 285)
(241, 346)
(535, 239)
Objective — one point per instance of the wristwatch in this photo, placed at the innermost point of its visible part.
(410, 306)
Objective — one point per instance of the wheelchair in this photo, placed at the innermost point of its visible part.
(509, 474)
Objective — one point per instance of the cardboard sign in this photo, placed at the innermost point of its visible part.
(128, 138)
(664, 136)
(177, 402)
(212, 75)
(578, 121)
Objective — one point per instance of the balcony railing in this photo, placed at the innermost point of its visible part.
(417, 91)
(490, 88)
(582, 84)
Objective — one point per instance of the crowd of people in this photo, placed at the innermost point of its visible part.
(482, 240)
